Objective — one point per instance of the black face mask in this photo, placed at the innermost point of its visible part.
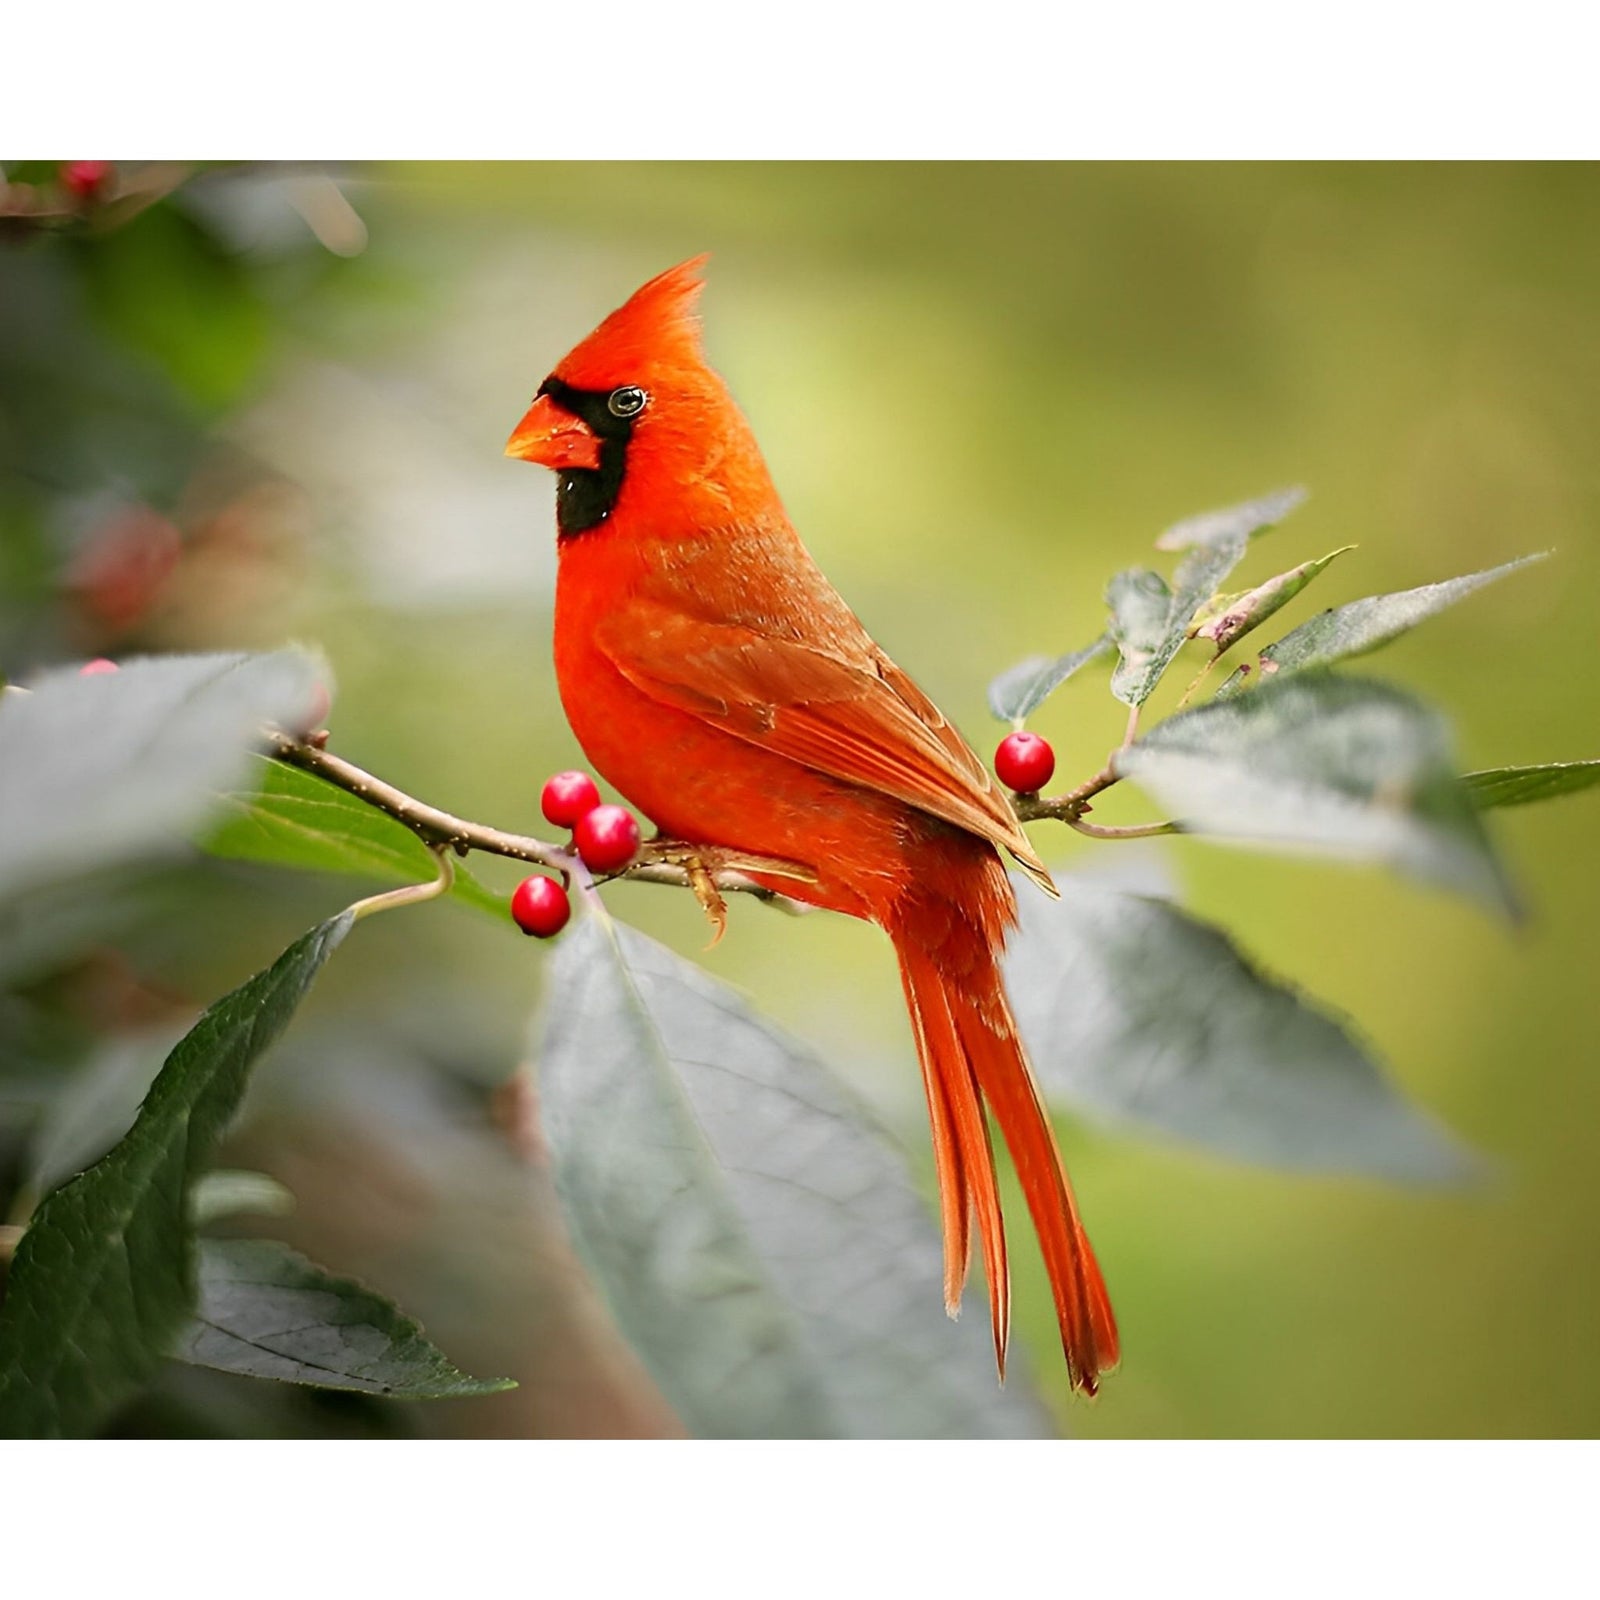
(586, 496)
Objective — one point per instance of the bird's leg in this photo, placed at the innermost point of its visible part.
(702, 863)
(710, 898)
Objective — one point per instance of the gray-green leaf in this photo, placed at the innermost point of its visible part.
(104, 1276)
(1243, 521)
(1364, 625)
(266, 1312)
(758, 1241)
(289, 818)
(1226, 619)
(1339, 766)
(1018, 692)
(1138, 1014)
(1147, 634)
(99, 771)
(1518, 786)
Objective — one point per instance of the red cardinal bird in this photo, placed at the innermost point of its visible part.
(716, 678)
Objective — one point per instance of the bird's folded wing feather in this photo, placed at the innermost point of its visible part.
(848, 712)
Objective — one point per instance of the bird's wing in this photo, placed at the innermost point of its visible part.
(848, 711)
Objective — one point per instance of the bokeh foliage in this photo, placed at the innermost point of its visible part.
(1009, 378)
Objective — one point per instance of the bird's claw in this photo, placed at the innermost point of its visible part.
(710, 898)
(699, 866)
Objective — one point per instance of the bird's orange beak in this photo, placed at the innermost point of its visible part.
(554, 438)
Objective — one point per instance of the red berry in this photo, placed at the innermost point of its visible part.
(84, 180)
(1024, 762)
(540, 907)
(568, 798)
(93, 669)
(607, 838)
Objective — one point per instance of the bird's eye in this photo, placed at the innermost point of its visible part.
(627, 401)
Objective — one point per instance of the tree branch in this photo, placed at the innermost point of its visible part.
(660, 860)
(668, 861)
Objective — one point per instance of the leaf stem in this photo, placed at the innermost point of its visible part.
(411, 893)
(1135, 830)
(1199, 678)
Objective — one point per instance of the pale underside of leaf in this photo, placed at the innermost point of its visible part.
(1147, 643)
(1018, 692)
(1329, 765)
(1243, 521)
(1139, 1015)
(758, 1241)
(1227, 619)
(102, 771)
(1363, 625)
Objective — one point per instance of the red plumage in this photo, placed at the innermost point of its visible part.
(716, 678)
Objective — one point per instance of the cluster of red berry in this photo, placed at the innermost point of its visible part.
(605, 837)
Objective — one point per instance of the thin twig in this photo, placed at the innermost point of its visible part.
(665, 861)
(659, 859)
(430, 824)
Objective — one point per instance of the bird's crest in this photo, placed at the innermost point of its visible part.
(656, 331)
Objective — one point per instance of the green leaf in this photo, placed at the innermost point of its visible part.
(1364, 625)
(1018, 692)
(103, 1279)
(1518, 786)
(266, 1312)
(165, 288)
(97, 772)
(759, 1243)
(1147, 634)
(1338, 766)
(1139, 601)
(1139, 1015)
(1226, 619)
(1243, 521)
(288, 818)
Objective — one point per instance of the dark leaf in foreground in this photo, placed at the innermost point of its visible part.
(104, 1276)
(759, 1242)
(1336, 766)
(1243, 521)
(1518, 786)
(1363, 625)
(1140, 1015)
(99, 771)
(266, 1312)
(1019, 691)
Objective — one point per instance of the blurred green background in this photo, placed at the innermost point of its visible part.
(270, 403)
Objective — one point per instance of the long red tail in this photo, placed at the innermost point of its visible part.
(971, 1058)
